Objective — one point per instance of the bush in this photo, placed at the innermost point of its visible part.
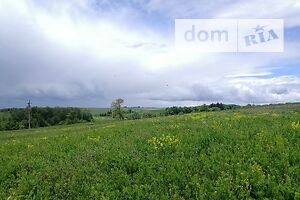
(203, 108)
(133, 115)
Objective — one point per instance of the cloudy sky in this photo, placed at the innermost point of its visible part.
(89, 52)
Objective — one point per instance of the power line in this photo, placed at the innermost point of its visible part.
(29, 114)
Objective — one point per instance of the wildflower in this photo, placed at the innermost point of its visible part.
(95, 139)
(295, 125)
(163, 142)
(174, 126)
(237, 116)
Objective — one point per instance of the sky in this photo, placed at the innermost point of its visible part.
(89, 52)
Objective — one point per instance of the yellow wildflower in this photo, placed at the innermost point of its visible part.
(163, 142)
(295, 125)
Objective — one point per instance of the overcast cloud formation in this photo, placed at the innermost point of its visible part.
(89, 52)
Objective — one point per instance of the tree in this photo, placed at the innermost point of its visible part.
(116, 109)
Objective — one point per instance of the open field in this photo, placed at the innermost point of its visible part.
(273, 108)
(216, 155)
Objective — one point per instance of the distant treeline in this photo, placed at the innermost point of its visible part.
(175, 110)
(17, 118)
(131, 113)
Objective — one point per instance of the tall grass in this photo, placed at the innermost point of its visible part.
(219, 155)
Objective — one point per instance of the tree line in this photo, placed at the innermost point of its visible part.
(175, 110)
(118, 111)
(17, 118)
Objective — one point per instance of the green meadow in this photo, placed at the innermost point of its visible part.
(210, 155)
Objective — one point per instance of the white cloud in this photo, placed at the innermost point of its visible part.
(264, 9)
(288, 9)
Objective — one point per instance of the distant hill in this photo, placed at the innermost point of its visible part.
(273, 107)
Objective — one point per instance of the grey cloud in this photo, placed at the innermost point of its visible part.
(35, 67)
(279, 90)
(259, 90)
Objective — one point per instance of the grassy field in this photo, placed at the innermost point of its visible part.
(273, 108)
(217, 155)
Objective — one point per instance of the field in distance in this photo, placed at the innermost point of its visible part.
(254, 108)
(243, 154)
(153, 110)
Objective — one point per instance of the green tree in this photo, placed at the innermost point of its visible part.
(116, 109)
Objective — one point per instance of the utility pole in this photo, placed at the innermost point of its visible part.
(29, 113)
